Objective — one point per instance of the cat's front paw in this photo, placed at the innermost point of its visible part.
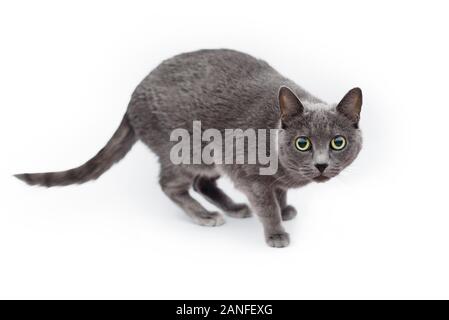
(288, 213)
(278, 240)
(239, 211)
(209, 219)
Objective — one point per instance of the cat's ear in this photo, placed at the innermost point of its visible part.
(351, 105)
(289, 103)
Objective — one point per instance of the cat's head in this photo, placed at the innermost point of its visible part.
(317, 140)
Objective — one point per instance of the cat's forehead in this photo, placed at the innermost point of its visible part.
(317, 106)
(322, 119)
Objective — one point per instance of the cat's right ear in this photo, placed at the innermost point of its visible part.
(289, 103)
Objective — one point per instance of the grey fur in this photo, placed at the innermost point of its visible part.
(229, 89)
(116, 148)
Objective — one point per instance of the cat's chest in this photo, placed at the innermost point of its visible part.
(288, 179)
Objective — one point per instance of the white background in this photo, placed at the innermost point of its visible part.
(380, 230)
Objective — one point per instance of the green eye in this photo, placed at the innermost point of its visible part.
(338, 143)
(303, 143)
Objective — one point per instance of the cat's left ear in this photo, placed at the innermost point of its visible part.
(289, 103)
(351, 105)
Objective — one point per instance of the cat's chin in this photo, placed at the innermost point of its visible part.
(321, 178)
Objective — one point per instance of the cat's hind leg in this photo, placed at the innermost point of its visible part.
(176, 185)
(207, 186)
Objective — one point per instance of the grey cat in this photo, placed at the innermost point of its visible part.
(230, 89)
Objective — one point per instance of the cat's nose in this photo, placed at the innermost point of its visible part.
(321, 167)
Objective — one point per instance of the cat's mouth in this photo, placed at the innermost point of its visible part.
(321, 178)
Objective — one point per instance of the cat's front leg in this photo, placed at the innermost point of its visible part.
(288, 212)
(264, 202)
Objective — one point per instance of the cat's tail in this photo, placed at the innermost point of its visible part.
(116, 148)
